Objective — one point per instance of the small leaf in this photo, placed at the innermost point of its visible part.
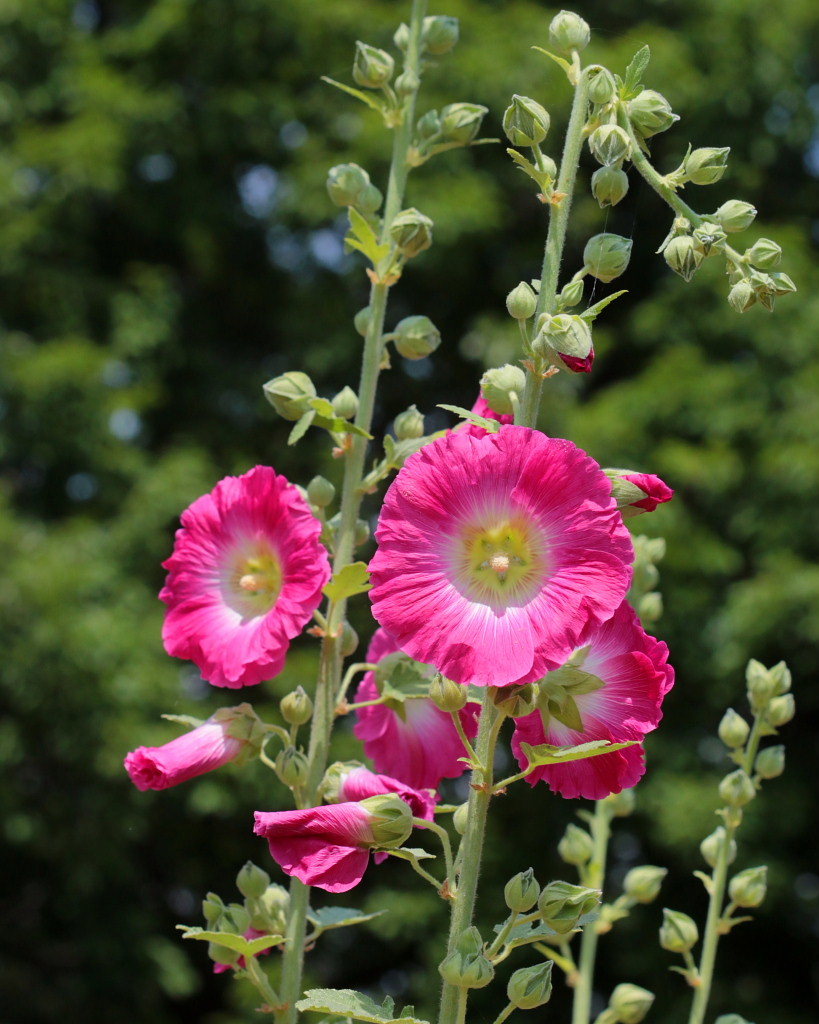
(545, 753)
(634, 72)
(558, 60)
(326, 918)
(238, 943)
(185, 720)
(323, 406)
(522, 934)
(363, 237)
(411, 853)
(492, 426)
(345, 1002)
(705, 879)
(300, 427)
(594, 311)
(407, 679)
(372, 102)
(352, 579)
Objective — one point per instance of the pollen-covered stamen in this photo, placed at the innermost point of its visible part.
(501, 560)
(254, 582)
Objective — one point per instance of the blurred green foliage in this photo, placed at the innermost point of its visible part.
(166, 245)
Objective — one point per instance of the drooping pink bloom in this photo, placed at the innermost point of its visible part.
(635, 676)
(352, 781)
(244, 578)
(415, 741)
(496, 553)
(201, 750)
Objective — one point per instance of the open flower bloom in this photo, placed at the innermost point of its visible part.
(414, 742)
(244, 578)
(329, 846)
(496, 553)
(638, 492)
(611, 689)
(350, 780)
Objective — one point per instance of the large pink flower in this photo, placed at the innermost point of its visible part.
(635, 675)
(496, 553)
(244, 578)
(415, 741)
(201, 750)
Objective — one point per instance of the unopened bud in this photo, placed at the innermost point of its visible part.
(530, 987)
(252, 881)
(346, 183)
(781, 710)
(372, 68)
(678, 933)
(576, 846)
(391, 820)
(428, 125)
(706, 166)
(296, 707)
(630, 1003)
(212, 908)
(236, 918)
(521, 891)
(561, 904)
(446, 694)
(708, 235)
(609, 185)
(361, 321)
(461, 122)
(733, 729)
(292, 767)
(345, 403)
(741, 296)
(459, 818)
(498, 385)
(268, 913)
(568, 31)
(369, 199)
(401, 36)
(770, 762)
(416, 337)
(466, 966)
(643, 884)
(362, 532)
(525, 121)
(602, 86)
(621, 804)
(409, 424)
(761, 684)
(521, 302)
(569, 337)
(764, 254)
(320, 492)
(782, 284)
(571, 294)
(650, 606)
(606, 256)
(650, 113)
(710, 847)
(514, 701)
(609, 144)
(748, 887)
(439, 34)
(349, 637)
(737, 789)
(735, 215)
(407, 83)
(290, 394)
(682, 256)
(781, 675)
(411, 231)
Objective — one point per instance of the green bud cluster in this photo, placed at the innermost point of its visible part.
(290, 394)
(499, 384)
(678, 932)
(466, 966)
(416, 337)
(350, 185)
(561, 905)
(629, 1004)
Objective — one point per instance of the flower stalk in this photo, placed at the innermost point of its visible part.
(594, 875)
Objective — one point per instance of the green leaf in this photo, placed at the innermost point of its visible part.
(371, 101)
(411, 853)
(492, 426)
(326, 918)
(348, 1003)
(545, 753)
(575, 681)
(407, 679)
(337, 425)
(528, 168)
(246, 947)
(363, 237)
(706, 881)
(300, 428)
(594, 311)
(324, 407)
(634, 72)
(522, 934)
(185, 720)
(352, 579)
(558, 60)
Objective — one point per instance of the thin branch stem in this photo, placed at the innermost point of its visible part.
(459, 728)
(594, 877)
(443, 835)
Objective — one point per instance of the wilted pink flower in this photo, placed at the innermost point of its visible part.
(496, 553)
(244, 578)
(415, 741)
(635, 676)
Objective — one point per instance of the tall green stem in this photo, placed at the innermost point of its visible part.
(331, 659)
(595, 875)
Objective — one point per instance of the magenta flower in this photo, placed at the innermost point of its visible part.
(244, 578)
(496, 553)
(330, 846)
(578, 365)
(415, 741)
(623, 703)
(656, 491)
(350, 780)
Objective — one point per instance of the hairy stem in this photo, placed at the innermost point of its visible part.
(594, 876)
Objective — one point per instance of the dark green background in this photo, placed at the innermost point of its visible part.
(166, 245)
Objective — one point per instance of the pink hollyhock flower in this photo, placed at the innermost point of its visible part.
(415, 741)
(350, 780)
(244, 578)
(623, 703)
(329, 847)
(638, 492)
(496, 553)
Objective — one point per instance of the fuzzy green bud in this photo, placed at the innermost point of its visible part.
(391, 820)
(571, 294)
(346, 183)
(629, 1003)
(609, 144)
(372, 68)
(521, 891)
(741, 296)
(733, 730)
(269, 912)
(570, 337)
(682, 255)
(362, 532)
(525, 121)
(459, 818)
(561, 904)
(737, 789)
(320, 492)
(735, 215)
(212, 908)
(609, 185)
(530, 987)
(761, 684)
(440, 34)
(521, 302)
(407, 82)
(576, 846)
(461, 122)
(416, 337)
(643, 883)
(650, 113)
(650, 606)
(781, 710)
(708, 235)
(409, 424)
(606, 256)
(748, 887)
(369, 199)
(782, 284)
(568, 31)
(401, 37)
(292, 767)
(466, 966)
(296, 707)
(620, 805)
(781, 675)
(361, 321)
(252, 881)
(428, 125)
(236, 918)
(290, 394)
(498, 385)
(710, 847)
(678, 933)
(602, 86)
(764, 254)
(411, 232)
(770, 762)
(706, 166)
(349, 637)
(514, 701)
(345, 403)
(446, 694)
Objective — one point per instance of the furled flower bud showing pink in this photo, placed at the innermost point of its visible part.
(244, 578)
(578, 365)
(350, 780)
(416, 743)
(637, 492)
(222, 738)
(329, 847)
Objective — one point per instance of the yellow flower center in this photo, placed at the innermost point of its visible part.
(502, 561)
(254, 581)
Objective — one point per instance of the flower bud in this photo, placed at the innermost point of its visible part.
(609, 144)
(401, 37)
(733, 730)
(630, 1003)
(290, 394)
(349, 637)
(372, 68)
(252, 881)
(602, 87)
(461, 122)
(782, 284)
(409, 424)
(650, 113)
(514, 701)
(411, 231)
(737, 789)
(498, 384)
(707, 235)
(569, 337)
(761, 684)
(706, 166)
(416, 337)
(606, 256)
(770, 762)
(678, 933)
(407, 82)
(391, 820)
(236, 918)
(361, 321)
(346, 183)
(781, 710)
(525, 121)
(521, 302)
(439, 34)
(711, 846)
(568, 31)
(446, 694)
(466, 966)
(296, 707)
(345, 403)
(362, 532)
(764, 254)
(521, 891)
(576, 846)
(650, 607)
(292, 767)
(561, 904)
(320, 492)
(428, 125)
(643, 884)
(741, 296)
(609, 185)
(369, 199)
(683, 256)
(748, 887)
(572, 293)
(735, 215)
(620, 805)
(530, 986)
(268, 913)
(459, 818)
(781, 675)
(212, 908)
